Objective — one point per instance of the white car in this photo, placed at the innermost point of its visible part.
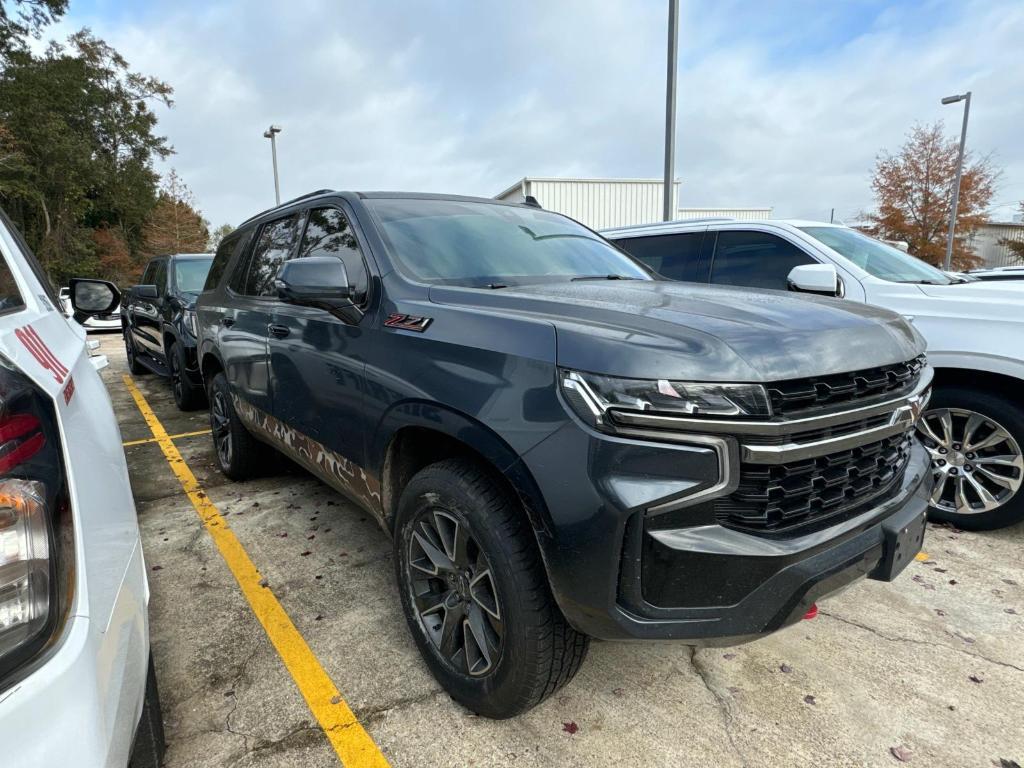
(974, 428)
(76, 682)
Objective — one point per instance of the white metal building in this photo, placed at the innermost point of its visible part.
(985, 242)
(743, 214)
(598, 203)
(607, 203)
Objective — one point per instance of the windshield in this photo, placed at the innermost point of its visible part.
(876, 258)
(481, 244)
(190, 274)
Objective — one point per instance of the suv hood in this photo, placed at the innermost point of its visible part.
(687, 331)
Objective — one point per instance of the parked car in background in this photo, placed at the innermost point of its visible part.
(974, 429)
(76, 681)
(159, 321)
(997, 273)
(560, 445)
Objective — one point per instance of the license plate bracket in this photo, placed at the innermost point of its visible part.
(902, 540)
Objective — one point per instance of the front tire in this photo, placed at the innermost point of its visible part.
(475, 593)
(149, 745)
(975, 439)
(239, 455)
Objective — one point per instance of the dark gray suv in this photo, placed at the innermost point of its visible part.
(561, 445)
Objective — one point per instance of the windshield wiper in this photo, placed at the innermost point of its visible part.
(603, 277)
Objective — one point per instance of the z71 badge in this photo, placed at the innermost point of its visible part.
(408, 322)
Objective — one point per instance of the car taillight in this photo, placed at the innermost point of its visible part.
(36, 543)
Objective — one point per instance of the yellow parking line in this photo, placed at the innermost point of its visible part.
(169, 437)
(351, 742)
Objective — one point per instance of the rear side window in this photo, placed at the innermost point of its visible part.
(10, 296)
(220, 262)
(755, 259)
(677, 257)
(271, 251)
(149, 276)
(328, 233)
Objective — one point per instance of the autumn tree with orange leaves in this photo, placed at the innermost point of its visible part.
(174, 225)
(913, 190)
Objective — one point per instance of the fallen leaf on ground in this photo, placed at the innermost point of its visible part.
(901, 753)
(785, 668)
(808, 699)
(570, 727)
(975, 679)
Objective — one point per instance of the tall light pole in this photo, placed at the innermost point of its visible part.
(271, 134)
(670, 109)
(966, 99)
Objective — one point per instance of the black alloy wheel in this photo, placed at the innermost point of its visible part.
(452, 587)
(220, 425)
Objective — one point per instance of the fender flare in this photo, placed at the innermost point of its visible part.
(470, 432)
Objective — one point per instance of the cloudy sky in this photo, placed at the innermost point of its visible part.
(782, 104)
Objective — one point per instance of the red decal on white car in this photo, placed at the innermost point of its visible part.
(33, 343)
(69, 391)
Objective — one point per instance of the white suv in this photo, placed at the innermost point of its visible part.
(76, 682)
(974, 429)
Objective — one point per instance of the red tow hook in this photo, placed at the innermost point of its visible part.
(812, 612)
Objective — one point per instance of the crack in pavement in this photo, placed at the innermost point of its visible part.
(930, 643)
(370, 715)
(722, 703)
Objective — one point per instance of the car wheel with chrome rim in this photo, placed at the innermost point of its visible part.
(974, 439)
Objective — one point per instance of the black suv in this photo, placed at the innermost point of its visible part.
(159, 322)
(561, 445)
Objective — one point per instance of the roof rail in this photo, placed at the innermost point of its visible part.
(674, 222)
(286, 203)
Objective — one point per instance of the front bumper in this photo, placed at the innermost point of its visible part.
(715, 585)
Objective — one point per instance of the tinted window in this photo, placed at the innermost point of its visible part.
(160, 277)
(328, 233)
(271, 251)
(221, 259)
(10, 296)
(150, 274)
(877, 258)
(675, 256)
(755, 259)
(477, 244)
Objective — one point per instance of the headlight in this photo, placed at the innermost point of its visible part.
(189, 318)
(592, 396)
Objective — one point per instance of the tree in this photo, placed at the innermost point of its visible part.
(174, 225)
(77, 146)
(1016, 247)
(21, 18)
(217, 235)
(913, 190)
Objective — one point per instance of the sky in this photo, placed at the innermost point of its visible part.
(780, 104)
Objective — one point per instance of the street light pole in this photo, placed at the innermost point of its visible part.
(670, 109)
(271, 133)
(966, 99)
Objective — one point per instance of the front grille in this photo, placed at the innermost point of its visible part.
(793, 398)
(777, 498)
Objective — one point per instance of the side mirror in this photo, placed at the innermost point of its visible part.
(144, 292)
(315, 281)
(93, 297)
(821, 279)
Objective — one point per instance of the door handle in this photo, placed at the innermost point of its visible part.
(227, 322)
(278, 331)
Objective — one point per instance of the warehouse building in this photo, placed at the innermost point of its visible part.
(607, 203)
(988, 242)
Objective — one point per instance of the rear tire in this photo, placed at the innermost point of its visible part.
(148, 748)
(136, 368)
(991, 424)
(239, 455)
(187, 396)
(495, 640)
